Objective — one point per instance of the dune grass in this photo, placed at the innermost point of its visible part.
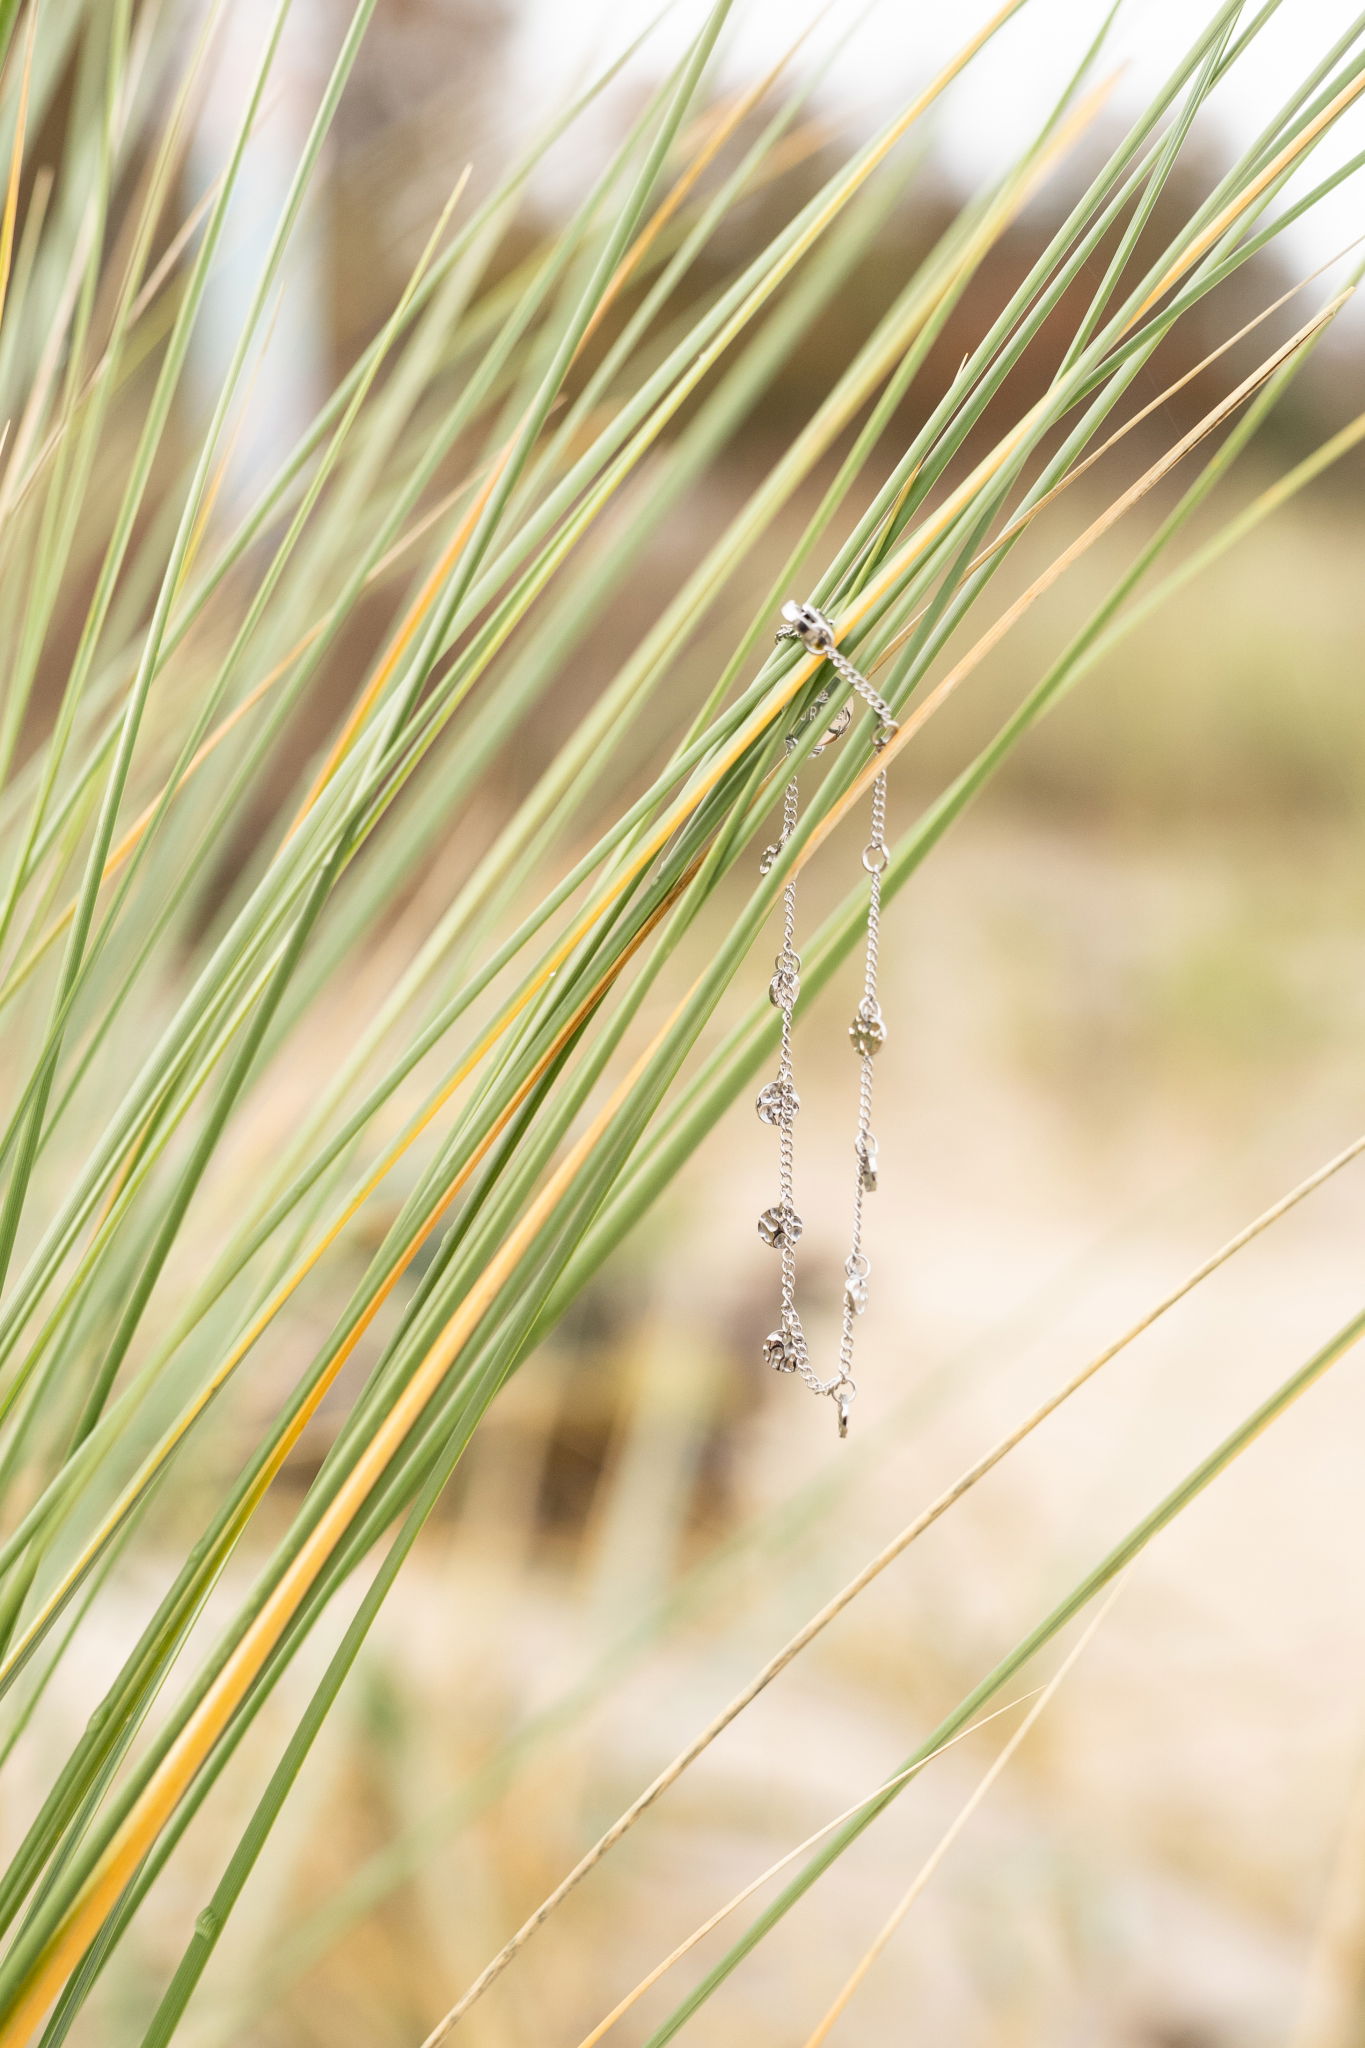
(485, 481)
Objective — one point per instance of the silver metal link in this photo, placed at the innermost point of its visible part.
(786, 1348)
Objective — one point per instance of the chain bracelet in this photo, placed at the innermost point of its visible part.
(778, 1103)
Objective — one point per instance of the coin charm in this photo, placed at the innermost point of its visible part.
(780, 1226)
(779, 1352)
(777, 1102)
(785, 986)
(868, 1029)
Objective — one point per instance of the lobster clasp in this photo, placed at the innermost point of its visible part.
(806, 624)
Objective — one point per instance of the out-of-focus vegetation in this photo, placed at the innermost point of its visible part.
(389, 1483)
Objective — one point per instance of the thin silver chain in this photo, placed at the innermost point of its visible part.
(778, 1103)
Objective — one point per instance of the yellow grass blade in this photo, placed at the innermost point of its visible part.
(16, 163)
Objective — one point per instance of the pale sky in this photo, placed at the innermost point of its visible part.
(873, 57)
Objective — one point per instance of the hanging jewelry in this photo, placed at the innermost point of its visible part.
(778, 1104)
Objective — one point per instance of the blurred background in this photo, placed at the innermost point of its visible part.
(1126, 999)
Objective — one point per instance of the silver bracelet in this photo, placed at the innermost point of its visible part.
(778, 1103)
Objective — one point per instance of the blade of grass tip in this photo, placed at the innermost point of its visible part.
(908, 339)
(1202, 285)
(719, 130)
(474, 530)
(819, 826)
(866, 162)
(1044, 582)
(1106, 447)
(1058, 267)
(1109, 1567)
(1220, 212)
(1244, 200)
(460, 563)
(887, 1556)
(16, 162)
(1150, 196)
(441, 2031)
(31, 1119)
(30, 1131)
(484, 216)
(1104, 630)
(958, 1825)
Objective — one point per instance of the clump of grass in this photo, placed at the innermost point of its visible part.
(483, 481)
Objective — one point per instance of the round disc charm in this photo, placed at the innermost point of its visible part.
(780, 1225)
(866, 1149)
(785, 986)
(868, 1029)
(778, 1352)
(777, 1103)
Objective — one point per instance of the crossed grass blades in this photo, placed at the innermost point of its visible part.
(489, 473)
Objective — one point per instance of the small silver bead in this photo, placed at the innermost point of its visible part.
(866, 1149)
